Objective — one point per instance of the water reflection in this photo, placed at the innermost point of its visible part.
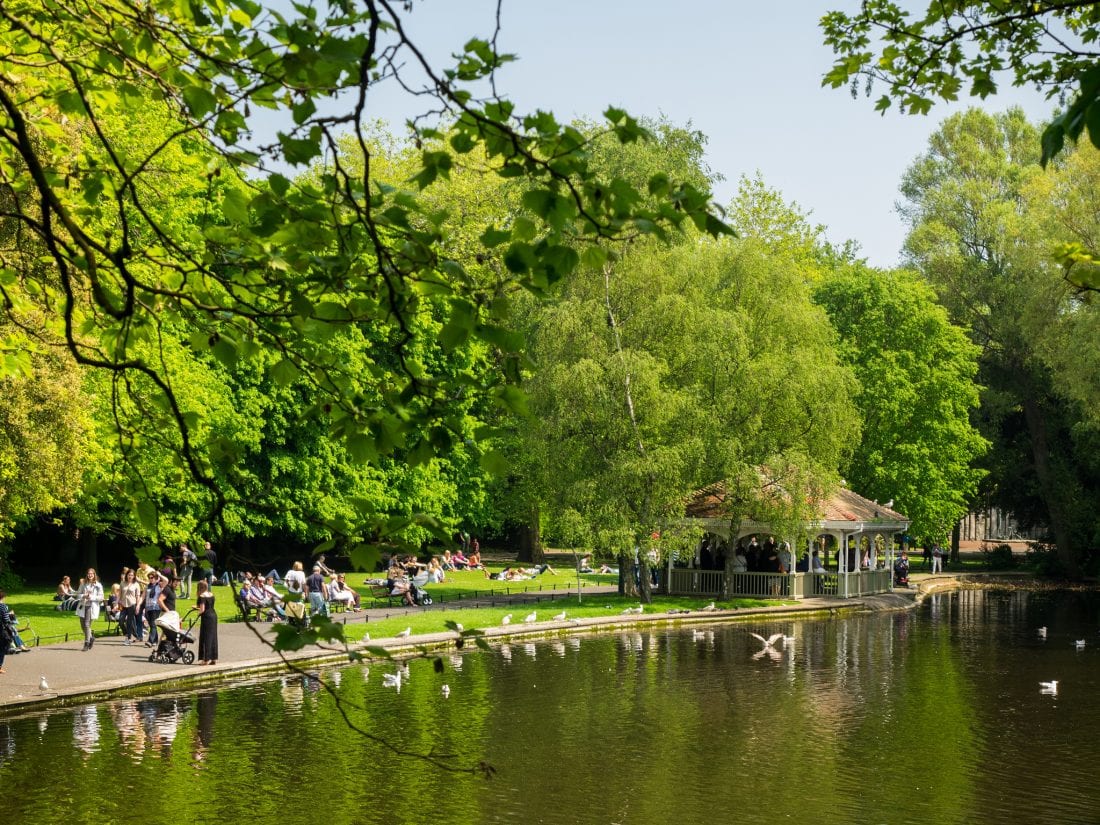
(656, 722)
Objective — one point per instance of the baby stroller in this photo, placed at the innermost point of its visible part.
(417, 591)
(174, 639)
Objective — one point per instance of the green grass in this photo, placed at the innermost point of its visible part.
(592, 605)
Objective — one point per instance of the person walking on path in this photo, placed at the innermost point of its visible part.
(208, 625)
(130, 599)
(5, 632)
(937, 559)
(188, 560)
(88, 601)
(151, 601)
(317, 591)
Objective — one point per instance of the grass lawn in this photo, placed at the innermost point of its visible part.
(595, 604)
(35, 605)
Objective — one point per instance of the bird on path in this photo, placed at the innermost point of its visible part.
(1048, 687)
(507, 619)
(710, 606)
(632, 610)
(560, 617)
(530, 617)
(43, 685)
(404, 634)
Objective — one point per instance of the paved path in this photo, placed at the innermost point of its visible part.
(74, 675)
(111, 665)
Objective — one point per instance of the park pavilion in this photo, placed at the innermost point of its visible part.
(847, 528)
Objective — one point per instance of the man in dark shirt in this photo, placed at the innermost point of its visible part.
(211, 561)
(317, 591)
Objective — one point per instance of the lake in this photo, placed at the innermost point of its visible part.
(927, 716)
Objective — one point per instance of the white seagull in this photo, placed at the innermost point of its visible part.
(43, 685)
(530, 617)
(404, 634)
(1079, 644)
(507, 619)
(710, 606)
(446, 691)
(559, 617)
(1042, 632)
(1048, 687)
(769, 645)
(632, 610)
(392, 680)
(458, 627)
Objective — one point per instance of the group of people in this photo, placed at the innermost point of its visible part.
(142, 602)
(769, 557)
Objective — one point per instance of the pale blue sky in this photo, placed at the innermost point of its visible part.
(748, 74)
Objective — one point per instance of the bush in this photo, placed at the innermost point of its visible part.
(999, 557)
(10, 582)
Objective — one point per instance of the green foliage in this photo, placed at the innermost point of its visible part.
(916, 374)
(267, 345)
(984, 216)
(964, 47)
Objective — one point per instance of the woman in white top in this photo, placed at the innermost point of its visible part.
(295, 579)
(88, 600)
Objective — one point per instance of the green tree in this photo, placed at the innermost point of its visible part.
(964, 47)
(125, 153)
(976, 241)
(668, 370)
(917, 392)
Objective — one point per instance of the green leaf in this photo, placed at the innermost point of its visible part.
(146, 512)
(235, 206)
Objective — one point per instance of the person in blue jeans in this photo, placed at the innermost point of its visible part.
(317, 590)
(152, 605)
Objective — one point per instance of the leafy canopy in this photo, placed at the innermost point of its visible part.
(126, 158)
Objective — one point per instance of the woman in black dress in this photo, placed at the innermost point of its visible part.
(208, 625)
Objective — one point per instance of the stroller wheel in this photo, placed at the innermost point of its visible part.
(188, 657)
(153, 656)
(427, 600)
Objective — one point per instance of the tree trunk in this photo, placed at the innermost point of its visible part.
(646, 586)
(530, 538)
(1040, 452)
(956, 537)
(627, 585)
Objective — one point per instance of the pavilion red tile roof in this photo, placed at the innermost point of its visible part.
(842, 505)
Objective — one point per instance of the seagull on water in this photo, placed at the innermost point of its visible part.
(43, 685)
(1080, 644)
(507, 619)
(1042, 632)
(559, 617)
(404, 634)
(1048, 687)
(769, 645)
(392, 680)
(530, 617)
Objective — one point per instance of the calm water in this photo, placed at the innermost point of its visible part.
(927, 717)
